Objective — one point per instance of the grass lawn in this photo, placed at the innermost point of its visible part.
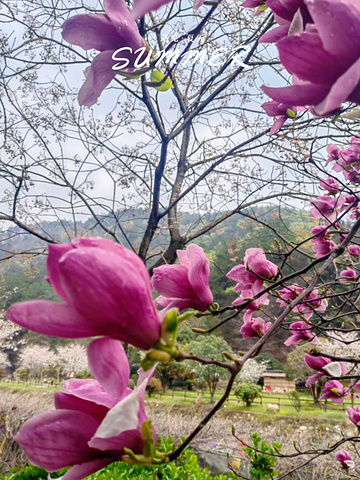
(308, 409)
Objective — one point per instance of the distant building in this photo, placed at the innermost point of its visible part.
(276, 382)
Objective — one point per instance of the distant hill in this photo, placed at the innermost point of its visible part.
(22, 276)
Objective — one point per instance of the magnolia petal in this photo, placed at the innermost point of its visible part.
(172, 281)
(131, 439)
(295, 51)
(275, 35)
(302, 94)
(297, 24)
(285, 9)
(341, 90)
(278, 124)
(336, 22)
(127, 29)
(66, 401)
(91, 31)
(51, 318)
(89, 390)
(98, 77)
(109, 365)
(313, 378)
(122, 417)
(333, 369)
(316, 363)
(52, 264)
(183, 258)
(117, 11)
(125, 415)
(56, 439)
(198, 4)
(117, 297)
(350, 463)
(199, 274)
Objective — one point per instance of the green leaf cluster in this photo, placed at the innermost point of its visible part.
(262, 459)
(185, 468)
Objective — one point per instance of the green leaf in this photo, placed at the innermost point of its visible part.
(157, 77)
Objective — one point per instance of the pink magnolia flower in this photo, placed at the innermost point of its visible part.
(324, 60)
(353, 251)
(250, 276)
(185, 285)
(300, 332)
(105, 290)
(334, 391)
(331, 185)
(281, 111)
(94, 420)
(348, 275)
(324, 366)
(322, 243)
(347, 160)
(333, 151)
(326, 207)
(345, 459)
(255, 261)
(354, 415)
(106, 33)
(312, 303)
(254, 327)
(349, 201)
(252, 271)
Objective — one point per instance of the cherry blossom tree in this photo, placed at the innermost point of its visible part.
(35, 359)
(72, 359)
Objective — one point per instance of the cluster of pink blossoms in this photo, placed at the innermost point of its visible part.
(250, 277)
(334, 204)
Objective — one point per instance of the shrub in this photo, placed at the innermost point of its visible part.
(247, 392)
(295, 401)
(154, 386)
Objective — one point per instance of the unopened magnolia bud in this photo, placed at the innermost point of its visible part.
(214, 307)
(229, 356)
(158, 356)
(290, 113)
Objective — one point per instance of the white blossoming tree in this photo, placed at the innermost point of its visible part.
(252, 371)
(72, 360)
(34, 359)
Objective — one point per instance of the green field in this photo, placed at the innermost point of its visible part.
(181, 397)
